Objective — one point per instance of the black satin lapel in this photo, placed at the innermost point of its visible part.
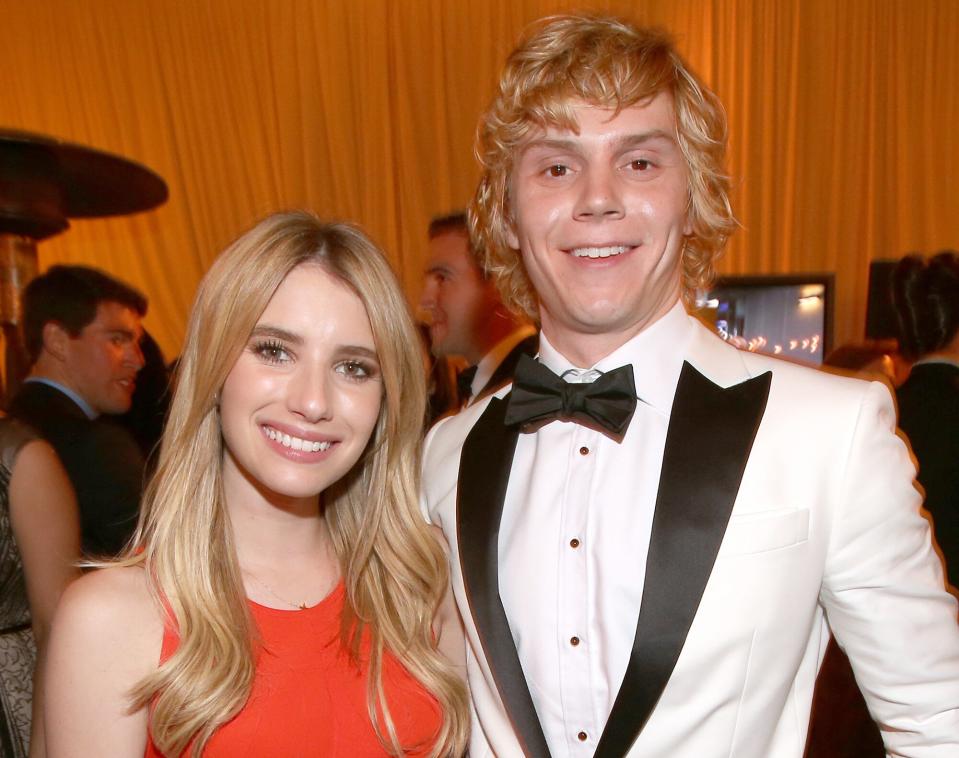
(711, 432)
(483, 475)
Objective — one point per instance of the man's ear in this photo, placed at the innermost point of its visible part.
(511, 238)
(55, 340)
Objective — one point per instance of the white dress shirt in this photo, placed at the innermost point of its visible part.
(580, 506)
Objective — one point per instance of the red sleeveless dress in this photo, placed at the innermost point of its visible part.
(309, 700)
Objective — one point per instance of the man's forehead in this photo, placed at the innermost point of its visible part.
(449, 248)
(659, 107)
(112, 315)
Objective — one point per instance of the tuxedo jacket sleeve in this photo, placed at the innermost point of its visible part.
(882, 591)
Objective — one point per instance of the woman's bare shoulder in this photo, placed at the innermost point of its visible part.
(107, 590)
(105, 639)
(112, 608)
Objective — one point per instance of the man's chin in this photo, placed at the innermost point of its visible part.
(439, 347)
(117, 408)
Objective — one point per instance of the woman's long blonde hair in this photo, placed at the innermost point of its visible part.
(394, 571)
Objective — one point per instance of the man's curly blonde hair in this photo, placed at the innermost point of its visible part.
(607, 62)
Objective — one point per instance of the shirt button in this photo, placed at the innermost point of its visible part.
(574, 641)
(574, 543)
(582, 736)
(584, 450)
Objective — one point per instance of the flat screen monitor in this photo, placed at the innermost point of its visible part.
(788, 315)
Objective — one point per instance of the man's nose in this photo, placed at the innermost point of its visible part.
(600, 196)
(428, 295)
(135, 355)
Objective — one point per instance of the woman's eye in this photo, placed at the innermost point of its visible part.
(356, 369)
(640, 164)
(557, 170)
(271, 352)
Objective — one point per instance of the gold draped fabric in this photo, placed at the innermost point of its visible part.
(844, 121)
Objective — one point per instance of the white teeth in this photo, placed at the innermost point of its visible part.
(598, 252)
(296, 442)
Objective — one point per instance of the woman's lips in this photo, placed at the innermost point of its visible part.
(296, 446)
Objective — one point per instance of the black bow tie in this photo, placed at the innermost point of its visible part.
(539, 395)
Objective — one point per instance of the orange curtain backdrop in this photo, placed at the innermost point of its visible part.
(843, 121)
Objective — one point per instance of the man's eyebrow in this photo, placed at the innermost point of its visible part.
(129, 333)
(624, 142)
(266, 330)
(550, 143)
(635, 140)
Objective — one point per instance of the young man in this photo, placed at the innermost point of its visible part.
(650, 529)
(82, 330)
(467, 315)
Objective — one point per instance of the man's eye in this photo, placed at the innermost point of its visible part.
(557, 170)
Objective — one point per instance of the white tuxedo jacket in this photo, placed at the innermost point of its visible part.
(785, 502)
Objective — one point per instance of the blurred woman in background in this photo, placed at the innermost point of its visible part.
(39, 550)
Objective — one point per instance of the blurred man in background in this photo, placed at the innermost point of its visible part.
(467, 317)
(82, 331)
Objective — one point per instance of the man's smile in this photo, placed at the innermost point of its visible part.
(605, 251)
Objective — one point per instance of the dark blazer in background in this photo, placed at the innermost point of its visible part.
(102, 459)
(929, 415)
(504, 372)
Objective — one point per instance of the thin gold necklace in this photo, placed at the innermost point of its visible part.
(268, 588)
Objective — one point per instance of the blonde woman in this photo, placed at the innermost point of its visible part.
(283, 595)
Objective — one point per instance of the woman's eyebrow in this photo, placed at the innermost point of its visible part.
(276, 332)
(359, 350)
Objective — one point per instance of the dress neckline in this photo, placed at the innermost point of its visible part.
(332, 597)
